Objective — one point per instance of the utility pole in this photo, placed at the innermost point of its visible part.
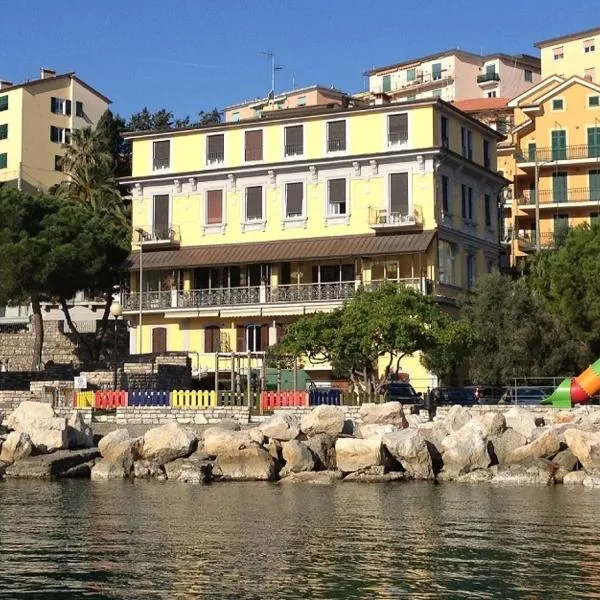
(536, 177)
(270, 54)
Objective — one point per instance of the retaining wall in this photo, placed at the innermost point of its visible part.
(160, 415)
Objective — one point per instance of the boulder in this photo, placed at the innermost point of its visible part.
(52, 466)
(274, 448)
(247, 464)
(574, 478)
(117, 444)
(477, 476)
(521, 420)
(47, 432)
(500, 445)
(168, 442)
(592, 479)
(80, 435)
(112, 469)
(281, 427)
(217, 440)
(256, 435)
(16, 447)
(413, 420)
(535, 471)
(374, 430)
(565, 462)
(374, 475)
(464, 450)
(545, 446)
(355, 454)
(313, 477)
(458, 416)
(387, 413)
(27, 412)
(322, 447)
(323, 419)
(585, 446)
(410, 449)
(297, 457)
(195, 473)
(563, 416)
(148, 469)
(434, 432)
(492, 422)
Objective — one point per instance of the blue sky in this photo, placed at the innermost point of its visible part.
(190, 55)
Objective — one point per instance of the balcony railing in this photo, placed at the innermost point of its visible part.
(382, 218)
(213, 158)
(294, 149)
(397, 139)
(548, 239)
(336, 145)
(488, 77)
(560, 196)
(239, 296)
(159, 236)
(550, 154)
(421, 81)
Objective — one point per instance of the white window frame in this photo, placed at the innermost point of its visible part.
(235, 116)
(293, 222)
(62, 134)
(214, 228)
(326, 138)
(589, 46)
(564, 104)
(387, 144)
(214, 163)
(254, 224)
(293, 156)
(164, 169)
(61, 106)
(332, 218)
(387, 188)
(159, 192)
(593, 96)
(301, 101)
(562, 53)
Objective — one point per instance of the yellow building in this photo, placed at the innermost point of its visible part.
(573, 54)
(36, 119)
(243, 226)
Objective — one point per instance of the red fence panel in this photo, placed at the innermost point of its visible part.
(272, 400)
(110, 399)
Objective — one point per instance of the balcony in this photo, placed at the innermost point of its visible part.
(215, 158)
(575, 195)
(548, 239)
(382, 219)
(261, 296)
(159, 237)
(488, 78)
(420, 83)
(549, 155)
(336, 145)
(294, 149)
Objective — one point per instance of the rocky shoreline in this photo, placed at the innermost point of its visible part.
(387, 445)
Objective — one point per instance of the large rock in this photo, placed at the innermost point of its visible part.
(458, 416)
(374, 475)
(322, 447)
(281, 427)
(410, 449)
(117, 444)
(297, 457)
(218, 441)
(247, 464)
(374, 430)
(313, 477)
(585, 446)
(60, 464)
(79, 434)
(323, 419)
(434, 432)
(464, 450)
(521, 420)
(592, 479)
(354, 454)
(387, 413)
(478, 476)
(148, 469)
(500, 445)
(168, 442)
(492, 422)
(545, 446)
(47, 432)
(574, 478)
(112, 469)
(16, 447)
(27, 412)
(565, 462)
(536, 471)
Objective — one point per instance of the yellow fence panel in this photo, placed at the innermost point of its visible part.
(193, 399)
(84, 399)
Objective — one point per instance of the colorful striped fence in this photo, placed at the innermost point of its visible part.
(145, 398)
(83, 399)
(193, 399)
(109, 399)
(271, 400)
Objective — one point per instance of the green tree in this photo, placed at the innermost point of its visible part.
(213, 117)
(86, 149)
(110, 130)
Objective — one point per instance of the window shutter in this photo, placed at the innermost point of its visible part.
(162, 154)
(264, 337)
(79, 109)
(214, 207)
(4, 131)
(3, 102)
(159, 340)
(254, 203)
(399, 193)
(280, 331)
(161, 213)
(254, 145)
(67, 107)
(216, 147)
(398, 128)
(240, 332)
(293, 139)
(336, 136)
(67, 139)
(337, 190)
(53, 104)
(293, 205)
(464, 201)
(212, 339)
(3, 160)
(54, 134)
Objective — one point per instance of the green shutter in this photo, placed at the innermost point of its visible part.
(3, 160)
(559, 145)
(594, 142)
(559, 186)
(3, 131)
(531, 152)
(387, 83)
(594, 185)
(3, 102)
(436, 70)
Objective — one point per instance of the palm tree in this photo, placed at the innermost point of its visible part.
(86, 149)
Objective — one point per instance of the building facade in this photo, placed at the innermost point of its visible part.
(455, 75)
(242, 227)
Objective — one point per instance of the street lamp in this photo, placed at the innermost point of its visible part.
(116, 310)
(142, 235)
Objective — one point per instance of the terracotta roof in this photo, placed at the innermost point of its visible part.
(479, 104)
(283, 250)
(568, 37)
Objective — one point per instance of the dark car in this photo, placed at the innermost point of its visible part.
(451, 396)
(401, 392)
(486, 395)
(524, 395)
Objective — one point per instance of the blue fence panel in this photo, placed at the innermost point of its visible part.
(324, 396)
(144, 398)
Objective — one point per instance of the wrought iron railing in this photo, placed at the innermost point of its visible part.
(397, 139)
(311, 292)
(215, 157)
(560, 195)
(336, 145)
(382, 217)
(548, 239)
(294, 149)
(550, 154)
(167, 233)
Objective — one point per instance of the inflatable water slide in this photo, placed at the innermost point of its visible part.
(577, 390)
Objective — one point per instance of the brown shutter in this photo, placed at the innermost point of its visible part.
(214, 207)
(161, 213)
(216, 147)
(293, 139)
(336, 136)
(240, 345)
(162, 154)
(293, 200)
(398, 128)
(212, 339)
(254, 203)
(337, 195)
(399, 193)
(254, 145)
(264, 337)
(159, 340)
(280, 330)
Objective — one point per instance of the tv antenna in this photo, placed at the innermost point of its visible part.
(271, 55)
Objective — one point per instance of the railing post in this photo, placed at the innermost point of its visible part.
(173, 298)
(262, 293)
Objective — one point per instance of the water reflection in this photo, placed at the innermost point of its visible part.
(83, 539)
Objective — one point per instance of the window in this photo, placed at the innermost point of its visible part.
(301, 101)
(411, 74)
(559, 187)
(490, 69)
(528, 75)
(488, 210)
(558, 104)
(294, 200)
(491, 94)
(593, 139)
(559, 144)
(212, 339)
(467, 202)
(59, 106)
(558, 53)
(470, 271)
(161, 155)
(294, 140)
(336, 197)
(254, 207)
(215, 149)
(280, 105)
(257, 338)
(398, 196)
(589, 74)
(4, 131)
(3, 102)
(486, 154)
(257, 113)
(397, 129)
(445, 196)
(589, 46)
(3, 160)
(436, 71)
(160, 217)
(594, 184)
(594, 101)
(466, 140)
(531, 151)
(235, 117)
(447, 260)
(445, 132)
(214, 207)
(336, 136)
(58, 162)
(254, 144)
(60, 135)
(79, 109)
(386, 83)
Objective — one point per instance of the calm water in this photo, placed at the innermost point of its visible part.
(81, 539)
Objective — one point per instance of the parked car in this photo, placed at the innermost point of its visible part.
(458, 395)
(486, 394)
(402, 392)
(524, 395)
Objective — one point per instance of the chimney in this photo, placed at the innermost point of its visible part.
(47, 73)
(5, 84)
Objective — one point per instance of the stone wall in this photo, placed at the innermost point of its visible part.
(351, 412)
(150, 415)
(10, 399)
(67, 411)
